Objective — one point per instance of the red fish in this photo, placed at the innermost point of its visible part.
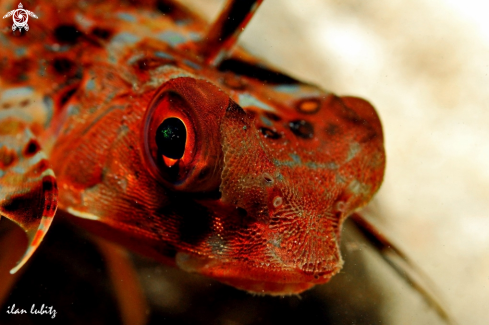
(152, 130)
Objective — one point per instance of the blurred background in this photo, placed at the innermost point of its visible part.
(424, 65)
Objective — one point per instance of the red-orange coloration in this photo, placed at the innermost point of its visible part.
(271, 167)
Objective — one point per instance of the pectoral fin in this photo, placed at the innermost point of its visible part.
(28, 191)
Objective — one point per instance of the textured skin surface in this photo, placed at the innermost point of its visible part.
(272, 166)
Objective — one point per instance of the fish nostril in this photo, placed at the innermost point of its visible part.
(268, 178)
(270, 134)
(340, 206)
(301, 128)
(277, 201)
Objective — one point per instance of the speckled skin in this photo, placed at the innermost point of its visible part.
(271, 169)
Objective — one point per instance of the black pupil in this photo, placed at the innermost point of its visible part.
(171, 137)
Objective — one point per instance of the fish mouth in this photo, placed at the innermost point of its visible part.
(262, 279)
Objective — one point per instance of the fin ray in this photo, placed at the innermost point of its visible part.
(402, 265)
(224, 32)
(28, 190)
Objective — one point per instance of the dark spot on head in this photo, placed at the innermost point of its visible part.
(25, 102)
(63, 66)
(102, 33)
(242, 212)
(6, 105)
(272, 116)
(350, 115)
(167, 7)
(67, 34)
(308, 105)
(66, 94)
(149, 63)
(268, 178)
(332, 129)
(269, 133)
(48, 184)
(302, 128)
(31, 148)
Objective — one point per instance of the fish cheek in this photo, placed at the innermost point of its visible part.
(247, 170)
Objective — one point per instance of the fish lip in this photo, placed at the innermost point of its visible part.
(295, 283)
(256, 278)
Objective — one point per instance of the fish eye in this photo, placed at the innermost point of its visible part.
(181, 144)
(171, 137)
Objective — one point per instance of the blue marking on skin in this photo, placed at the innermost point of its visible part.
(57, 48)
(164, 55)
(266, 121)
(182, 22)
(287, 88)
(16, 92)
(42, 67)
(125, 37)
(1, 175)
(20, 51)
(90, 85)
(192, 64)
(83, 21)
(246, 100)
(18, 170)
(16, 113)
(296, 161)
(48, 104)
(353, 150)
(73, 110)
(171, 38)
(295, 158)
(127, 17)
(36, 158)
(194, 36)
(220, 56)
(134, 58)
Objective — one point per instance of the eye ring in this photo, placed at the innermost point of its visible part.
(169, 163)
(181, 136)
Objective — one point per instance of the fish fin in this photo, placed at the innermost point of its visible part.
(28, 190)
(224, 32)
(130, 298)
(402, 265)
